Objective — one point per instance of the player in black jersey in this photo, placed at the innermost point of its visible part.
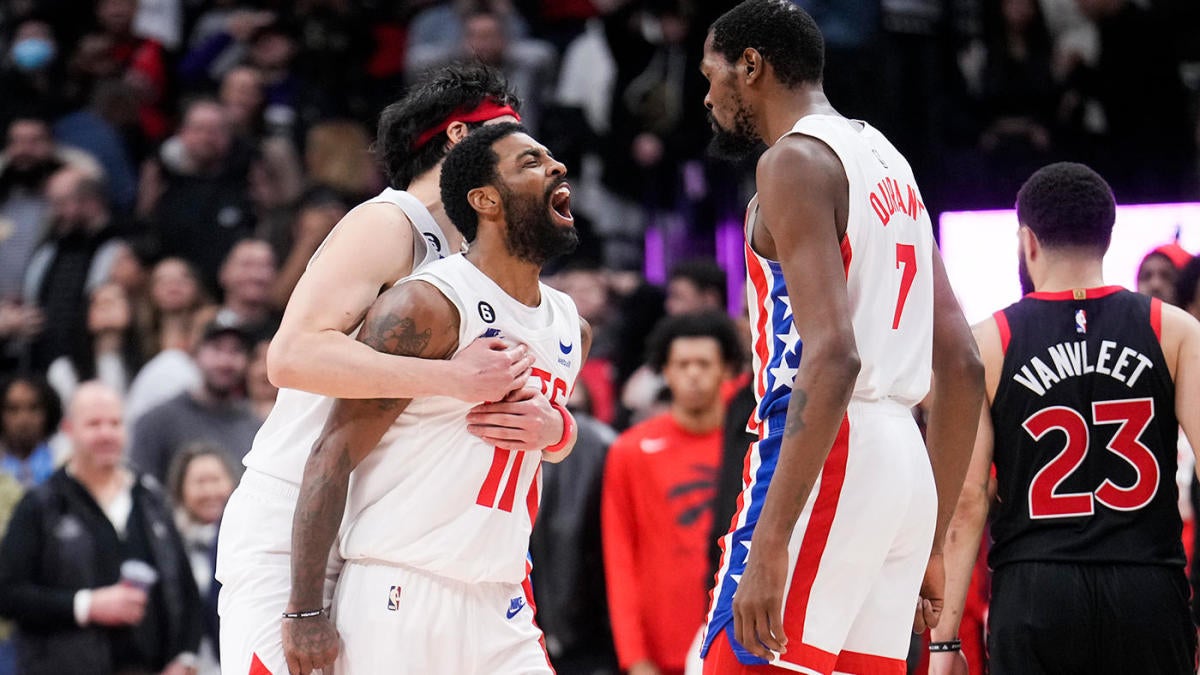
(1087, 386)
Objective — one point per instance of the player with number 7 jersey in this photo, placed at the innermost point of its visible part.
(837, 534)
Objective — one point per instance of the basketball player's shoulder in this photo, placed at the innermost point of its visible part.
(379, 217)
(800, 153)
(372, 235)
(413, 318)
(799, 166)
(1179, 330)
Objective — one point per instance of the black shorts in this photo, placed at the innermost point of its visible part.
(1068, 619)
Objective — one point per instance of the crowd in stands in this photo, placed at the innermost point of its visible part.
(170, 166)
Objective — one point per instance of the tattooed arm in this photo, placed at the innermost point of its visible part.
(411, 319)
(803, 199)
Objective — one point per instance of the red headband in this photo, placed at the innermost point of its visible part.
(487, 110)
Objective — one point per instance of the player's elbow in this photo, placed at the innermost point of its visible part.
(971, 511)
(325, 459)
(837, 361)
(283, 368)
(960, 367)
(972, 502)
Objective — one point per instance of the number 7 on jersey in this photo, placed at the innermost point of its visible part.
(906, 261)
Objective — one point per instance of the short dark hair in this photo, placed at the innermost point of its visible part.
(1185, 284)
(786, 36)
(1068, 205)
(709, 324)
(705, 274)
(471, 164)
(424, 107)
(51, 403)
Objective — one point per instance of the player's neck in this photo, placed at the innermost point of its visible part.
(1067, 273)
(427, 186)
(788, 107)
(518, 278)
(700, 421)
(428, 189)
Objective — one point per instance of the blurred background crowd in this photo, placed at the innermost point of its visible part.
(169, 167)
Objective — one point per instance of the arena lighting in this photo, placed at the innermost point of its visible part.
(980, 250)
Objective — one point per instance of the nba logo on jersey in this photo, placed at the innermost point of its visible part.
(394, 598)
(1080, 321)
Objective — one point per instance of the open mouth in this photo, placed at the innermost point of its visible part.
(560, 203)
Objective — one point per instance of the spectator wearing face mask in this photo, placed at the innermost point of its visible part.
(32, 72)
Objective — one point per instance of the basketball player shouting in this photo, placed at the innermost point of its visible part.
(851, 310)
(375, 244)
(1087, 386)
(434, 523)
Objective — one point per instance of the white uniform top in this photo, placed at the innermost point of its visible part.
(888, 254)
(283, 442)
(433, 497)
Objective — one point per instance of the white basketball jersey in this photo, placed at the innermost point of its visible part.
(433, 497)
(888, 254)
(283, 442)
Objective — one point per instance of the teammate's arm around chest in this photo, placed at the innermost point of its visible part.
(411, 319)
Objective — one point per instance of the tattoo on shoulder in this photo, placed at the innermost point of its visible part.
(396, 335)
(795, 413)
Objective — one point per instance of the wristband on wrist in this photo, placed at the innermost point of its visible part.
(304, 615)
(954, 645)
(568, 429)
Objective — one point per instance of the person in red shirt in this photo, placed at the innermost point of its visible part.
(656, 502)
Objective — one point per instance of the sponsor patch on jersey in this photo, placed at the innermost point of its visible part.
(393, 598)
(486, 312)
(1080, 321)
(514, 607)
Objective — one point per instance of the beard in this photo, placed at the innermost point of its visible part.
(27, 176)
(734, 144)
(532, 235)
(1023, 274)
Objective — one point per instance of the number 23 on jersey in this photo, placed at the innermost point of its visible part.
(1132, 417)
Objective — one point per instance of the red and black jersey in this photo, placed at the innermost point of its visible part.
(1085, 432)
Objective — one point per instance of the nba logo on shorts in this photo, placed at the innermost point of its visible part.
(1080, 321)
(394, 598)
